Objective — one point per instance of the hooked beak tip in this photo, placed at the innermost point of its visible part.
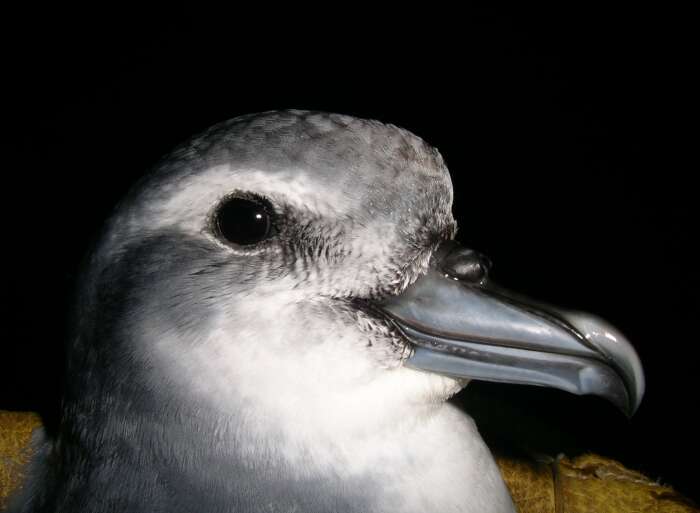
(615, 347)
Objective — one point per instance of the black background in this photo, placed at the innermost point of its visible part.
(565, 132)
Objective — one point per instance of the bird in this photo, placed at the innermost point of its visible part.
(273, 320)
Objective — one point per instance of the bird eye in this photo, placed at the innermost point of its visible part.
(244, 221)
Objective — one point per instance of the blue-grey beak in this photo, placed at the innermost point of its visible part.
(463, 326)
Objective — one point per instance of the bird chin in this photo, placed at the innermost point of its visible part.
(432, 388)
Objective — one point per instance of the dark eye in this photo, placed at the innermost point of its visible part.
(244, 221)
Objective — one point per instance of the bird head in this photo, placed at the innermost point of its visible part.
(297, 271)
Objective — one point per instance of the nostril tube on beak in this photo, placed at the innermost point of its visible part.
(466, 265)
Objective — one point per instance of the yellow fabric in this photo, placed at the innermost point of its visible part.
(15, 433)
(587, 484)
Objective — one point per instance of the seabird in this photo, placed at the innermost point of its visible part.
(273, 320)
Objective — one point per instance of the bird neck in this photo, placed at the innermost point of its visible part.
(190, 461)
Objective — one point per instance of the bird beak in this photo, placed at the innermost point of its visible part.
(462, 326)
